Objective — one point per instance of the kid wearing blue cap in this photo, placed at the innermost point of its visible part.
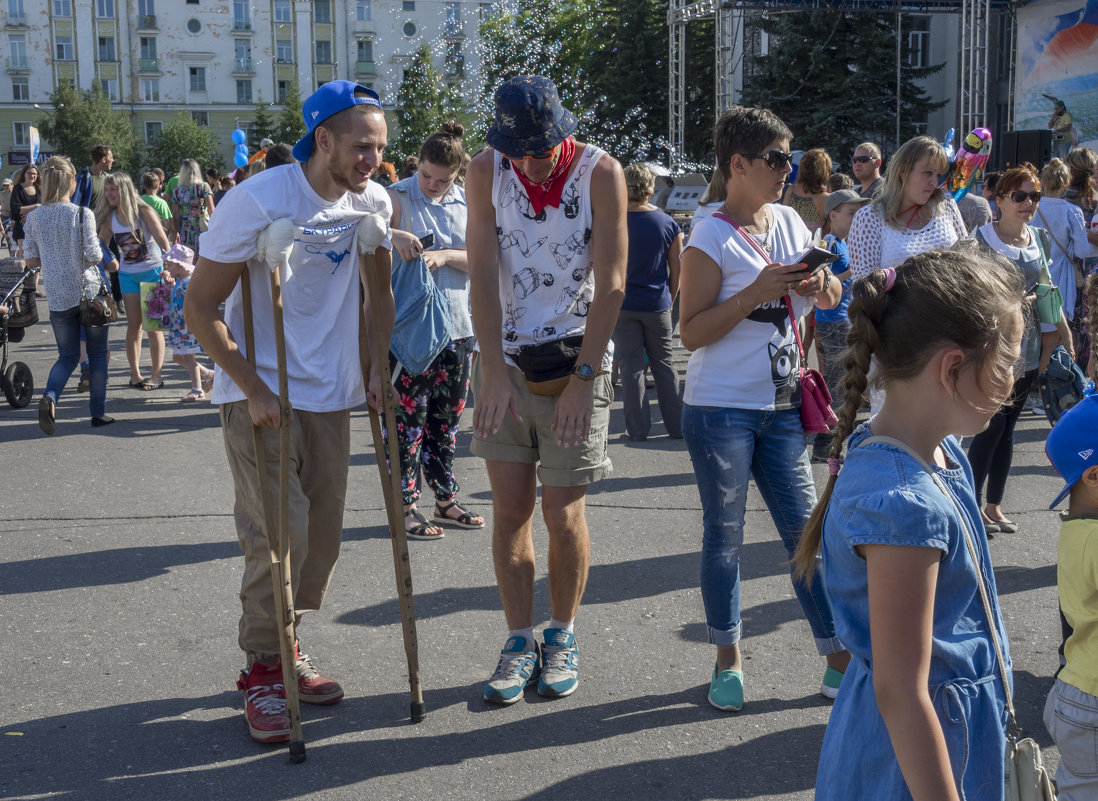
(1071, 712)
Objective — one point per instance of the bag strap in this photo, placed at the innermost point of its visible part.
(785, 298)
(1039, 240)
(980, 583)
(1053, 236)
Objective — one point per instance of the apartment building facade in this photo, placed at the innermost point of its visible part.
(215, 59)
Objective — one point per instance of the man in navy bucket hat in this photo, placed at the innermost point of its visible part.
(546, 241)
(325, 195)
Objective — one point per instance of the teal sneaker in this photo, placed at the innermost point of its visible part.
(829, 688)
(726, 690)
(518, 666)
(560, 665)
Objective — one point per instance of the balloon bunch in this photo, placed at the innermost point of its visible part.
(968, 162)
(240, 156)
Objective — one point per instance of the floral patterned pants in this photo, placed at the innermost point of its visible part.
(428, 408)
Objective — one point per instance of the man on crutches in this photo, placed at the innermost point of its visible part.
(324, 197)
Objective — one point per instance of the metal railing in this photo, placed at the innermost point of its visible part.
(244, 65)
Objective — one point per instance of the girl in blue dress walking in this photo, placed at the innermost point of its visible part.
(921, 712)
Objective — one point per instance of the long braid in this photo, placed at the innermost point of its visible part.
(866, 312)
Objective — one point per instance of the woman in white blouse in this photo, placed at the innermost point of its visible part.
(60, 238)
(910, 214)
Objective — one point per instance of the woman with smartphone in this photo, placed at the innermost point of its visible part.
(742, 294)
(429, 216)
(992, 450)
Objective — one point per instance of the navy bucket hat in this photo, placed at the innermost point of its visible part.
(529, 117)
(331, 98)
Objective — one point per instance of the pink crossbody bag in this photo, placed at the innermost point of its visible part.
(817, 416)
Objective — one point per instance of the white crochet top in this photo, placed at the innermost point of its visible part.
(875, 245)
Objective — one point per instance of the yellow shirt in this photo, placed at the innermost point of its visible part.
(1077, 578)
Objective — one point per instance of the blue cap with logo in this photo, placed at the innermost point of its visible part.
(1072, 445)
(331, 98)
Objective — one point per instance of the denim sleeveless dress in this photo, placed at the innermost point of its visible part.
(884, 497)
(446, 219)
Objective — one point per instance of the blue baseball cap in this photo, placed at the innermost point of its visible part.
(331, 98)
(1072, 445)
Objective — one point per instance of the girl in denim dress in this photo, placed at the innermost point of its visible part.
(921, 711)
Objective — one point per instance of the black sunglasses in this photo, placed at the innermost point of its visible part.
(1018, 196)
(861, 159)
(775, 159)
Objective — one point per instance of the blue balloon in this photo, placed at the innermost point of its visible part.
(241, 150)
(240, 161)
(239, 137)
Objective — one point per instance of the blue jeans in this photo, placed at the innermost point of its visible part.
(727, 446)
(66, 330)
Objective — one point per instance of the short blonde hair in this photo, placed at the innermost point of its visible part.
(870, 148)
(640, 182)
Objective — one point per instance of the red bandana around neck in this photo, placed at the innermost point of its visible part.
(548, 193)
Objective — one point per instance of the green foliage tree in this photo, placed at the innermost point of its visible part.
(423, 104)
(82, 119)
(831, 77)
(183, 138)
(264, 124)
(290, 126)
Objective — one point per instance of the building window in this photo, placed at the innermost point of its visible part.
(365, 10)
(242, 50)
(242, 18)
(453, 19)
(201, 117)
(17, 43)
(148, 48)
(282, 89)
(918, 48)
(194, 26)
(20, 134)
(153, 131)
(323, 52)
(322, 10)
(365, 50)
(243, 91)
(63, 48)
(150, 90)
(486, 10)
(106, 48)
(455, 61)
(409, 5)
(284, 51)
(109, 87)
(409, 29)
(104, 8)
(20, 89)
(146, 8)
(62, 8)
(283, 11)
(198, 78)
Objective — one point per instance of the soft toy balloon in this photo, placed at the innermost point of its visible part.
(239, 137)
(968, 164)
(239, 160)
(947, 143)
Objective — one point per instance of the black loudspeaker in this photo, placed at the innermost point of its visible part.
(1018, 147)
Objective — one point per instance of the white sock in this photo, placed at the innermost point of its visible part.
(558, 624)
(527, 632)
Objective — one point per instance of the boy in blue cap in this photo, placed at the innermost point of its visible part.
(1071, 712)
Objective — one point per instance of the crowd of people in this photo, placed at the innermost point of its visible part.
(550, 262)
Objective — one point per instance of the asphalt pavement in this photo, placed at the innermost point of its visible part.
(119, 573)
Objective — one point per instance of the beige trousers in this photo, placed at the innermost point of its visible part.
(319, 457)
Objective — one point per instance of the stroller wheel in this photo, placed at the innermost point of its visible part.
(18, 385)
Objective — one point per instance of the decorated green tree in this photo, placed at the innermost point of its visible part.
(423, 104)
(83, 119)
(264, 125)
(183, 138)
(290, 126)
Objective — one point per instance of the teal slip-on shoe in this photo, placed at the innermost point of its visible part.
(726, 690)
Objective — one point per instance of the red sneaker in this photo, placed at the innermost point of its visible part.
(312, 688)
(265, 703)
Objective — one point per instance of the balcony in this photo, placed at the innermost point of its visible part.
(243, 66)
(149, 65)
(16, 21)
(17, 66)
(147, 22)
(242, 25)
(452, 31)
(365, 68)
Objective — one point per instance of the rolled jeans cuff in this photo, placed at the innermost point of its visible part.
(825, 646)
(730, 637)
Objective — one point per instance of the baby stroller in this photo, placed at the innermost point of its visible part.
(17, 293)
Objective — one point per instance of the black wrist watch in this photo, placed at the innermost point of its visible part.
(585, 372)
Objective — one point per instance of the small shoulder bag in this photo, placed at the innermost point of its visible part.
(1025, 776)
(817, 416)
(99, 309)
(1049, 298)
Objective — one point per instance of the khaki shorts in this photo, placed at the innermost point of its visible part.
(533, 441)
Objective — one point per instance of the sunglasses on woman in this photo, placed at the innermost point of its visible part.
(775, 159)
(1018, 196)
(548, 154)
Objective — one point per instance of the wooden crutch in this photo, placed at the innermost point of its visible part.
(371, 233)
(280, 240)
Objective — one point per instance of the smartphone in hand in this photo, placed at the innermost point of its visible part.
(427, 240)
(814, 259)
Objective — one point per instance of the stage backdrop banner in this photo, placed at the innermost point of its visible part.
(1058, 56)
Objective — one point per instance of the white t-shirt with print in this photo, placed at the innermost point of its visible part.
(756, 364)
(320, 285)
